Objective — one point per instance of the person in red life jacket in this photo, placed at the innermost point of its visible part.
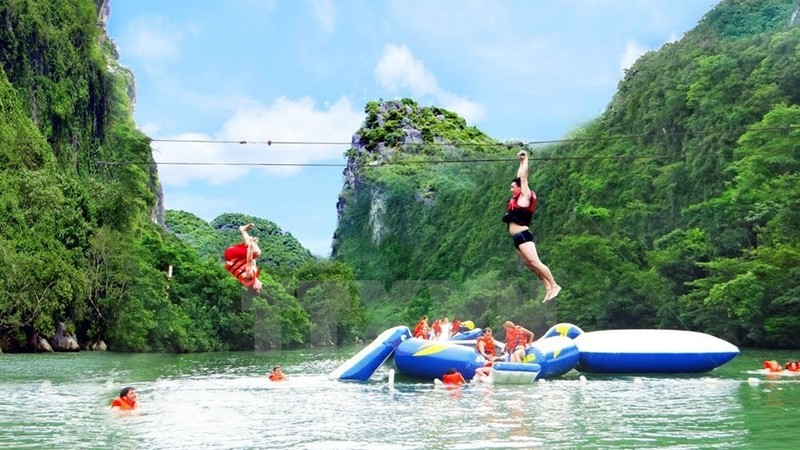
(453, 377)
(126, 400)
(456, 328)
(240, 260)
(277, 374)
(518, 216)
(485, 345)
(423, 322)
(517, 338)
(793, 366)
(423, 333)
(772, 366)
(437, 329)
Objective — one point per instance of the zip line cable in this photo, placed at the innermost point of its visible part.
(370, 164)
(520, 144)
(490, 144)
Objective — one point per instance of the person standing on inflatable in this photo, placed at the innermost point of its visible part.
(240, 260)
(518, 217)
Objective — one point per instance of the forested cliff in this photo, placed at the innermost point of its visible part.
(677, 207)
(84, 254)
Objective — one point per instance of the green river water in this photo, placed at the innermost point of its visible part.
(224, 401)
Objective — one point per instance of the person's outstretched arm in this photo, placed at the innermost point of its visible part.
(524, 200)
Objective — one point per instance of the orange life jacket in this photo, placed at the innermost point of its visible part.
(277, 377)
(488, 345)
(123, 404)
(515, 337)
(453, 378)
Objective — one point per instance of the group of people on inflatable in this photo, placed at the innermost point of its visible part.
(440, 329)
(517, 339)
(774, 366)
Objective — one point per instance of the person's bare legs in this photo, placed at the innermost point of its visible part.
(531, 259)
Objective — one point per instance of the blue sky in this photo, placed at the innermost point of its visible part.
(303, 70)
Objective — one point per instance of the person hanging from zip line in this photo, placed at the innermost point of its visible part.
(240, 260)
(518, 217)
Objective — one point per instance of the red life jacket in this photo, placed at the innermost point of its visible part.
(237, 268)
(277, 377)
(453, 378)
(418, 328)
(488, 345)
(514, 338)
(518, 214)
(123, 404)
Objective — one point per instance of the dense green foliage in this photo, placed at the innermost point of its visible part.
(78, 238)
(280, 249)
(677, 207)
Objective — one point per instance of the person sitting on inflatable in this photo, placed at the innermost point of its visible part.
(517, 338)
(485, 345)
(240, 260)
(126, 400)
(453, 377)
(772, 366)
(793, 366)
(277, 374)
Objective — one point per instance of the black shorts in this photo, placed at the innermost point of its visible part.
(522, 237)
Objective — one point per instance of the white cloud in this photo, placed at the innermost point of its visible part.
(632, 52)
(473, 112)
(285, 120)
(398, 69)
(151, 41)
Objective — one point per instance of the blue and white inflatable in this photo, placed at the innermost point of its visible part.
(364, 363)
(651, 351)
(562, 348)
(421, 358)
(546, 358)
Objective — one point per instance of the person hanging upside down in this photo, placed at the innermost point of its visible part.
(518, 217)
(240, 260)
